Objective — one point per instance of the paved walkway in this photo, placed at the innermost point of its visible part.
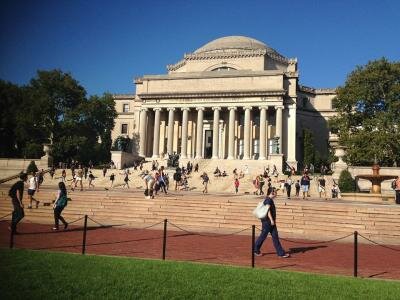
(329, 258)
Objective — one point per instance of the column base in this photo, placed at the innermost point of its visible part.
(183, 156)
(230, 157)
(262, 158)
(246, 157)
(155, 156)
(215, 157)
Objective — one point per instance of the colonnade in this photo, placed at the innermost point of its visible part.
(247, 132)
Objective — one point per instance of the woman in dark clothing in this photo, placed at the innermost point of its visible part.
(59, 205)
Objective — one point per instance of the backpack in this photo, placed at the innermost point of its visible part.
(177, 176)
(393, 184)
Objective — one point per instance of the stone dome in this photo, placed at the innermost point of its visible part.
(233, 43)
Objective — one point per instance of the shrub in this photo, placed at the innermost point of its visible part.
(346, 182)
(31, 168)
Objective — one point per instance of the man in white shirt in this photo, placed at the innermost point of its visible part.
(33, 186)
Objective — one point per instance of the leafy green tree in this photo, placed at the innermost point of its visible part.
(54, 109)
(308, 147)
(10, 99)
(368, 119)
(346, 183)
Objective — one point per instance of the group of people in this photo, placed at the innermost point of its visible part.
(16, 193)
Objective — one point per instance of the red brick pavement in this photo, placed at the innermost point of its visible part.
(330, 258)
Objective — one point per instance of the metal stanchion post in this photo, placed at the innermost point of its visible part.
(165, 239)
(12, 238)
(84, 235)
(355, 253)
(253, 237)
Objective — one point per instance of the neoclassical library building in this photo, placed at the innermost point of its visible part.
(234, 98)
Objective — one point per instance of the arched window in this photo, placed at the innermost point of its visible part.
(223, 69)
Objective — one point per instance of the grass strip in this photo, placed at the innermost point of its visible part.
(51, 275)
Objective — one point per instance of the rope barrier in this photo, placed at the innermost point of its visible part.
(316, 243)
(312, 243)
(383, 246)
(98, 223)
(207, 235)
(76, 220)
(5, 216)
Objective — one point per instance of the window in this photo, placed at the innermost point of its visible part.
(125, 107)
(124, 129)
(224, 69)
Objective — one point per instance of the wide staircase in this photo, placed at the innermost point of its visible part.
(218, 212)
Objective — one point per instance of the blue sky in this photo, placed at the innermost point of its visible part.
(105, 44)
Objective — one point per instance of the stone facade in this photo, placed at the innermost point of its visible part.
(235, 98)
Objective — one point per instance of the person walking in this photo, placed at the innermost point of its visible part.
(15, 193)
(297, 186)
(236, 183)
(33, 185)
(64, 176)
(91, 179)
(59, 205)
(321, 187)
(126, 178)
(104, 171)
(206, 180)
(305, 185)
(397, 189)
(288, 185)
(269, 226)
(112, 178)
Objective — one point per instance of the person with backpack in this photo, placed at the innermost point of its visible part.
(177, 178)
(16, 192)
(288, 186)
(59, 206)
(206, 180)
(269, 226)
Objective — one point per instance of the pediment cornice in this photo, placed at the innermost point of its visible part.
(212, 94)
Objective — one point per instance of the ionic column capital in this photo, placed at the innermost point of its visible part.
(200, 108)
(185, 108)
(263, 107)
(247, 107)
(157, 108)
(216, 108)
(144, 109)
(232, 107)
(171, 108)
(279, 107)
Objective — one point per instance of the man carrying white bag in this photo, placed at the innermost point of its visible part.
(266, 212)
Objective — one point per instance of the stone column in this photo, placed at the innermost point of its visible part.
(247, 128)
(170, 137)
(185, 115)
(291, 138)
(231, 137)
(263, 135)
(199, 136)
(279, 126)
(156, 137)
(142, 144)
(215, 147)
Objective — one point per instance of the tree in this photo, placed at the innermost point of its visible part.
(308, 147)
(346, 182)
(10, 99)
(368, 119)
(54, 109)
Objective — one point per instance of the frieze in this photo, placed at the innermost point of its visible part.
(211, 94)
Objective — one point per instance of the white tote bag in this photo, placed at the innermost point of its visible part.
(261, 210)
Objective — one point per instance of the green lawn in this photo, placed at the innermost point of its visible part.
(28, 274)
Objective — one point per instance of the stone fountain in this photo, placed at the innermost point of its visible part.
(376, 179)
(374, 195)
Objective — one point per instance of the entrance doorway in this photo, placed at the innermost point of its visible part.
(208, 136)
